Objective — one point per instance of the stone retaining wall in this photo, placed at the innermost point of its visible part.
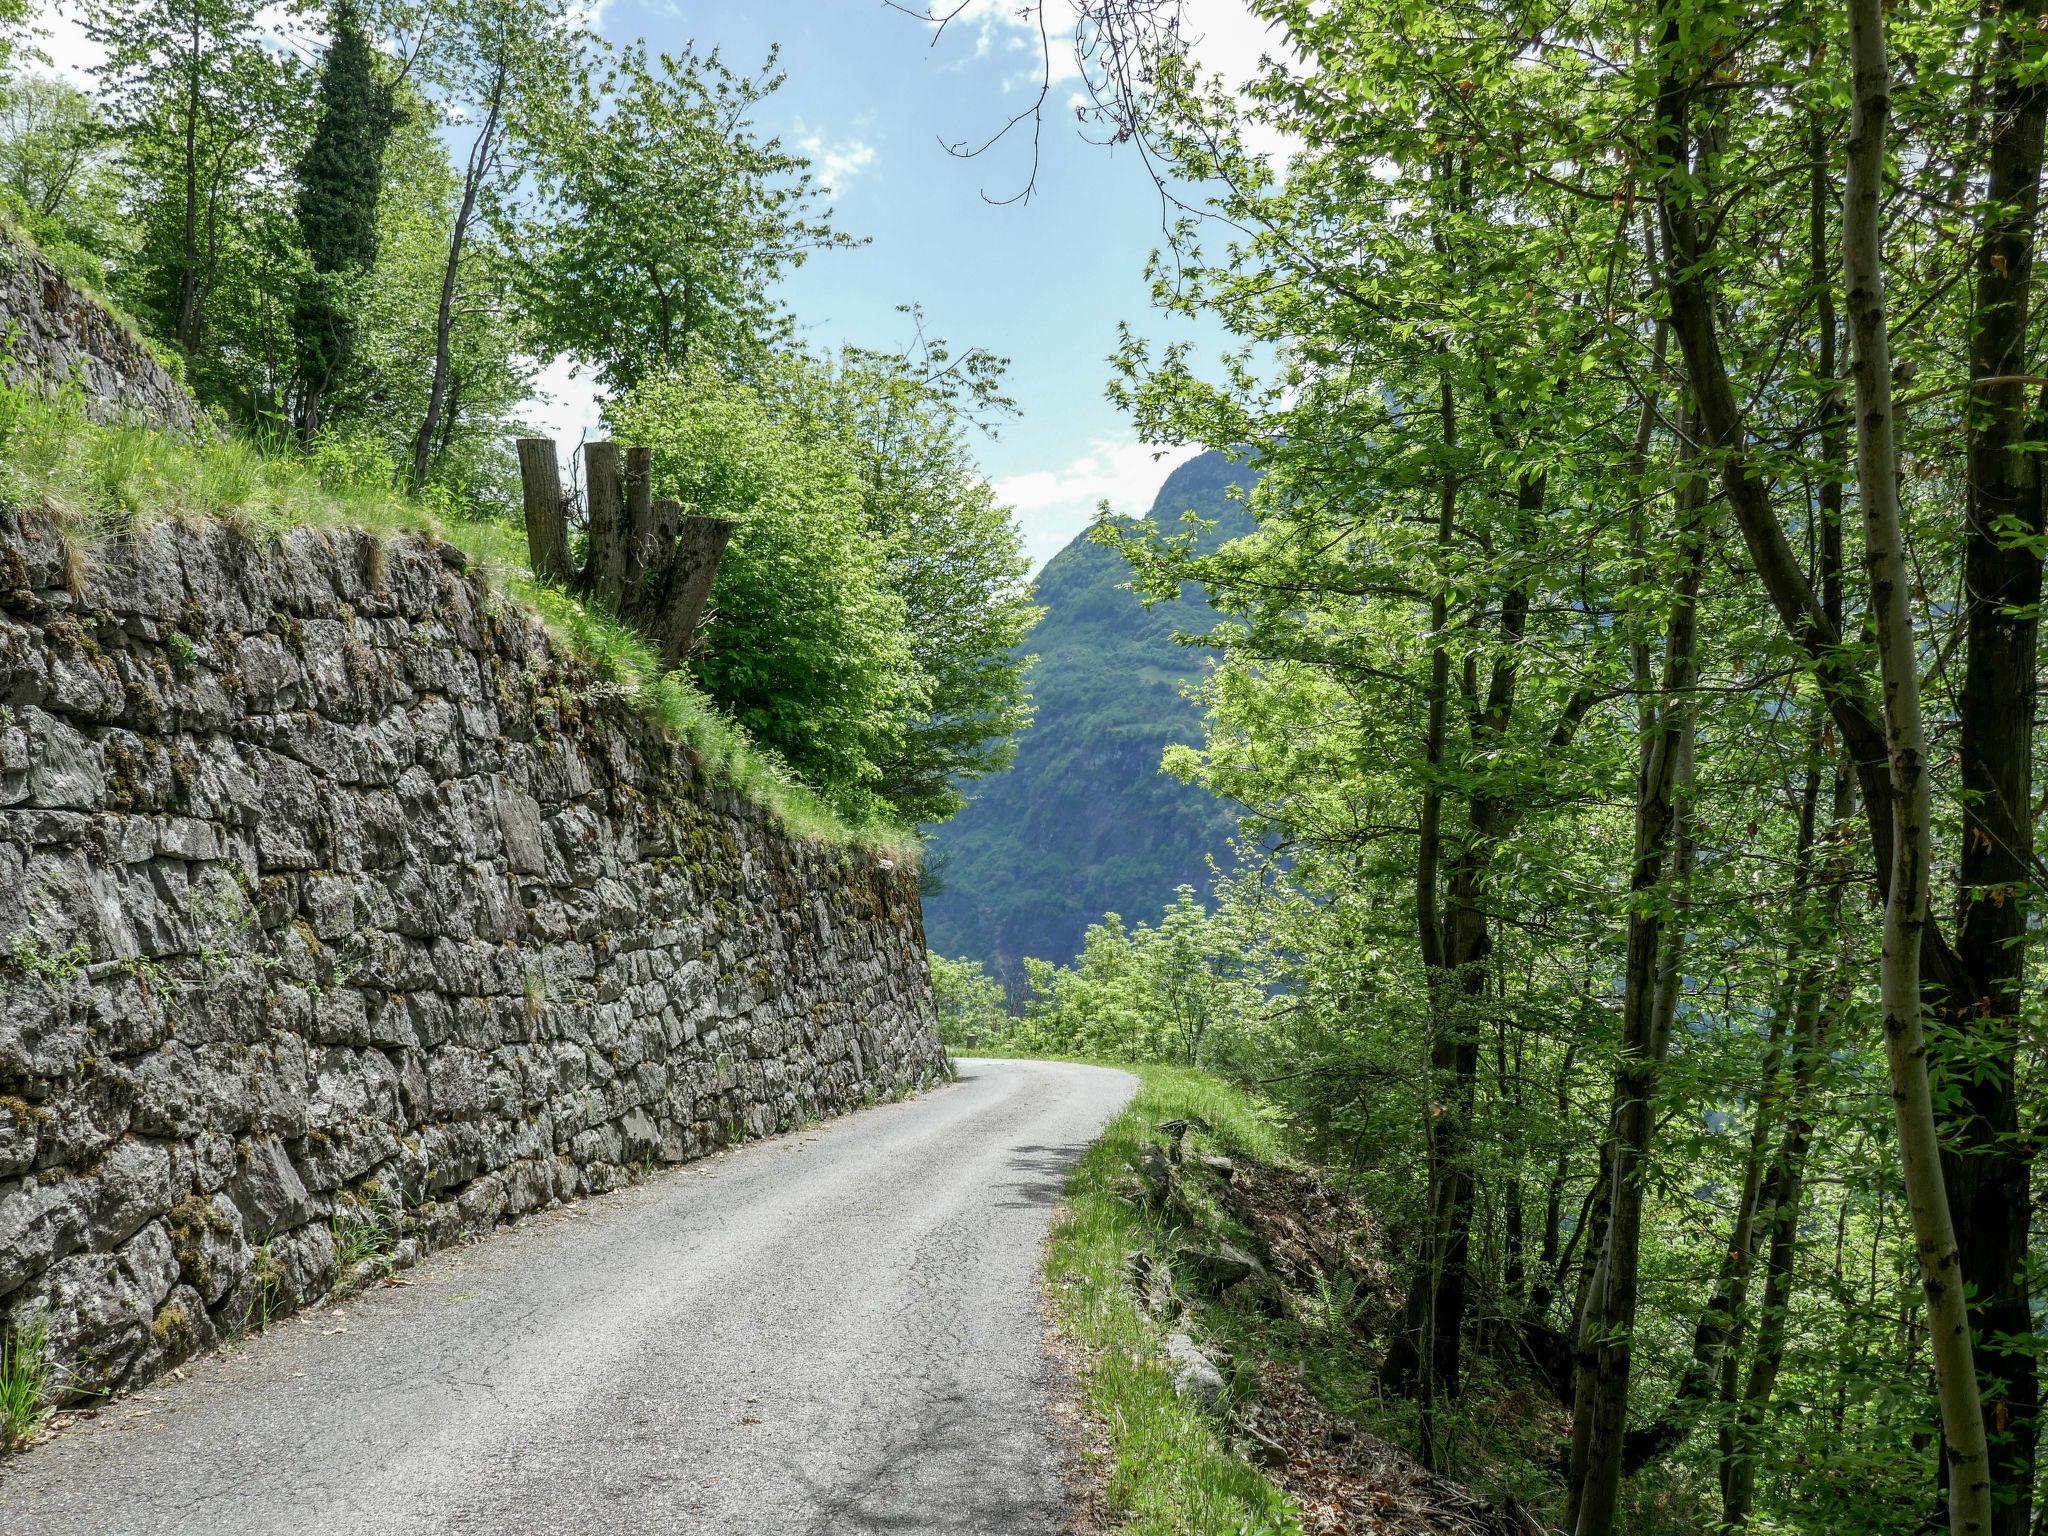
(340, 916)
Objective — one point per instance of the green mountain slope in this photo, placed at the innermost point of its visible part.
(1084, 822)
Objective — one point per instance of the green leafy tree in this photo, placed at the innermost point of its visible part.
(969, 1002)
(60, 173)
(204, 108)
(14, 18)
(382, 393)
(340, 178)
(953, 554)
(808, 644)
(1547, 653)
(661, 219)
(479, 59)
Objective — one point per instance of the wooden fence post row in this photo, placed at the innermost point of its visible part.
(647, 560)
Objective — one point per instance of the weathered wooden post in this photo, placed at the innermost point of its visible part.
(649, 561)
(547, 523)
(643, 558)
(698, 547)
(605, 523)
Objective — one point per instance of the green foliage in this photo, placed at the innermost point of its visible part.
(1448, 660)
(58, 174)
(339, 177)
(808, 646)
(203, 109)
(382, 393)
(868, 610)
(950, 549)
(1175, 992)
(366, 1226)
(14, 15)
(969, 1003)
(26, 1379)
(662, 220)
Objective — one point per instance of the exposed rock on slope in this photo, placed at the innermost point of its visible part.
(1084, 822)
(56, 334)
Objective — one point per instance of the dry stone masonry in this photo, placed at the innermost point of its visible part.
(54, 334)
(341, 915)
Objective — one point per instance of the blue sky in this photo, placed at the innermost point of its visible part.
(872, 97)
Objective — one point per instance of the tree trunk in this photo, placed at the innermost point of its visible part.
(642, 557)
(547, 523)
(1905, 912)
(1986, 1163)
(1651, 983)
(699, 546)
(475, 173)
(649, 562)
(186, 330)
(604, 523)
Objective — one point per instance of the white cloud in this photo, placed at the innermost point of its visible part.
(1052, 505)
(75, 58)
(1013, 26)
(72, 55)
(1224, 36)
(835, 162)
(564, 406)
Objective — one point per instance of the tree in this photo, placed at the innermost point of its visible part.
(808, 645)
(1505, 247)
(58, 168)
(340, 177)
(483, 57)
(953, 555)
(969, 1003)
(661, 220)
(203, 107)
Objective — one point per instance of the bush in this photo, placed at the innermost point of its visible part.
(970, 1004)
(807, 643)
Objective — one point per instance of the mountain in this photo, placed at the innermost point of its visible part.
(1084, 822)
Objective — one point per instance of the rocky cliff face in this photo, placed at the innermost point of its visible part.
(341, 915)
(1084, 822)
(53, 335)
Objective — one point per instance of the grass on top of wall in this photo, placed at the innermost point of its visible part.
(99, 481)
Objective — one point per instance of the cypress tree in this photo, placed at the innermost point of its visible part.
(339, 180)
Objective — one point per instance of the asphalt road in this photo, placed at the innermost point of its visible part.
(836, 1331)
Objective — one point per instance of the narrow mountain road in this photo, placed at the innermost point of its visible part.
(836, 1331)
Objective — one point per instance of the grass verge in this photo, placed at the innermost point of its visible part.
(1173, 1471)
(98, 482)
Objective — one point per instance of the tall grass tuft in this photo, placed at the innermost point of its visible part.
(25, 1381)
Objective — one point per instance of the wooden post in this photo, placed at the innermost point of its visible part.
(606, 568)
(645, 558)
(547, 527)
(699, 546)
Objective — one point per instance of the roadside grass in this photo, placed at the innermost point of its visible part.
(25, 1380)
(1173, 1472)
(99, 482)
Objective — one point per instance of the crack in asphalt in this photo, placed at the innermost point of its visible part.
(835, 1332)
